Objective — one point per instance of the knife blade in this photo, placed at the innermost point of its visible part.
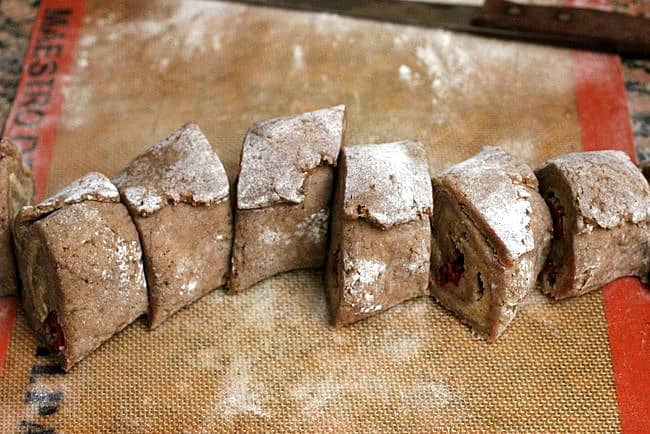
(565, 26)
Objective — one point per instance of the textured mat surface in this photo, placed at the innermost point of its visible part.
(267, 359)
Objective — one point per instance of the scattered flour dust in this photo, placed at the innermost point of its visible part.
(404, 347)
(239, 394)
(82, 62)
(314, 398)
(435, 393)
(163, 64)
(405, 73)
(191, 27)
(298, 57)
(75, 115)
(429, 57)
(262, 308)
(539, 308)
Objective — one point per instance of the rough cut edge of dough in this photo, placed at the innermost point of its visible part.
(387, 184)
(496, 188)
(182, 168)
(621, 194)
(279, 153)
(91, 187)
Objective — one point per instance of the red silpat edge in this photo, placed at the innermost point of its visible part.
(605, 124)
(34, 128)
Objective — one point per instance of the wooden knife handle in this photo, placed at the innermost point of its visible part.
(581, 28)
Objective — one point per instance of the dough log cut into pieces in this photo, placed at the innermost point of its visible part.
(600, 202)
(380, 246)
(283, 195)
(81, 267)
(177, 193)
(478, 237)
(16, 190)
(491, 232)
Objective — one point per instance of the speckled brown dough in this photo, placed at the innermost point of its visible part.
(81, 267)
(601, 207)
(491, 235)
(284, 193)
(381, 237)
(178, 195)
(283, 237)
(16, 189)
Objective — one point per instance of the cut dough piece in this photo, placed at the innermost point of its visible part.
(491, 234)
(600, 204)
(284, 194)
(177, 193)
(381, 236)
(16, 190)
(81, 267)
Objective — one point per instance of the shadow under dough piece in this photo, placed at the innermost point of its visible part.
(600, 203)
(16, 190)
(177, 193)
(81, 267)
(645, 168)
(491, 234)
(381, 236)
(284, 193)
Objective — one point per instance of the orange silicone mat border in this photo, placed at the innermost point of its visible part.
(36, 109)
(605, 123)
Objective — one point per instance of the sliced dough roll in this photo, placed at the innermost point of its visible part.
(177, 193)
(491, 232)
(81, 267)
(600, 204)
(284, 193)
(380, 248)
(16, 190)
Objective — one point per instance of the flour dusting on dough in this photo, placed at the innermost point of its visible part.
(313, 227)
(278, 154)
(362, 275)
(180, 168)
(90, 187)
(365, 271)
(387, 184)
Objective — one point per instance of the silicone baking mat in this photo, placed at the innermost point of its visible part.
(129, 72)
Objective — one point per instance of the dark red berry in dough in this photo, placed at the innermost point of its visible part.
(53, 332)
(452, 272)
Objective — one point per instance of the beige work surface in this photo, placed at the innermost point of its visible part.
(267, 359)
